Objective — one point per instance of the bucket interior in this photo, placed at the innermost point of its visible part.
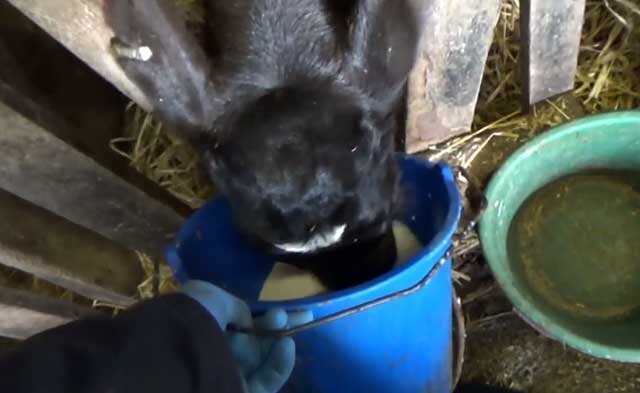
(209, 247)
(604, 142)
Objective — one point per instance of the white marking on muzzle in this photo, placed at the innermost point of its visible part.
(316, 242)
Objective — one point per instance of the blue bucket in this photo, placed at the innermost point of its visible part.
(392, 334)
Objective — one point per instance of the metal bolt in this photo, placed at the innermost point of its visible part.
(141, 53)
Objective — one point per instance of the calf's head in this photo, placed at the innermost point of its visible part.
(292, 111)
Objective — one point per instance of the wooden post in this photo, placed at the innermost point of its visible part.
(79, 25)
(41, 168)
(444, 85)
(38, 242)
(23, 314)
(550, 35)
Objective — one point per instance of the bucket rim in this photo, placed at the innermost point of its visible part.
(438, 245)
(531, 314)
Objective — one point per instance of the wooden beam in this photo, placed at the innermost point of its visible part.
(31, 63)
(444, 85)
(23, 314)
(79, 25)
(49, 247)
(38, 67)
(11, 68)
(41, 168)
(6, 344)
(550, 39)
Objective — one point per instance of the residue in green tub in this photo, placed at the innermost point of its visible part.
(576, 243)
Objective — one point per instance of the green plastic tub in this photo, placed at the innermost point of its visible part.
(602, 142)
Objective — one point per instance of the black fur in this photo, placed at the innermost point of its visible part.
(292, 106)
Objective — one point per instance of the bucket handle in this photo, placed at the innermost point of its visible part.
(349, 311)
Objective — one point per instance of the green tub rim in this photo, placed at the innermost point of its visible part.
(528, 311)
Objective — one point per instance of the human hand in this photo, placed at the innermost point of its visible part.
(224, 307)
(265, 362)
(276, 356)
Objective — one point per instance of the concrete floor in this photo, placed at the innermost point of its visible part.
(508, 353)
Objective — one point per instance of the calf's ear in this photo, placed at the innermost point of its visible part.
(154, 48)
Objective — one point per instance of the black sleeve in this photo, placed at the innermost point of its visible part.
(170, 344)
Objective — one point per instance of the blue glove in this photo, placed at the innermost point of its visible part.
(276, 355)
(265, 363)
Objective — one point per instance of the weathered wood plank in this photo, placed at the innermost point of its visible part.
(23, 314)
(550, 39)
(38, 67)
(10, 68)
(38, 242)
(79, 25)
(42, 169)
(444, 84)
(82, 109)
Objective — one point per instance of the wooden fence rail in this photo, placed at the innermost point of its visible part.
(25, 314)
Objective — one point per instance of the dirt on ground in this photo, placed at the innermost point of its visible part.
(508, 353)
